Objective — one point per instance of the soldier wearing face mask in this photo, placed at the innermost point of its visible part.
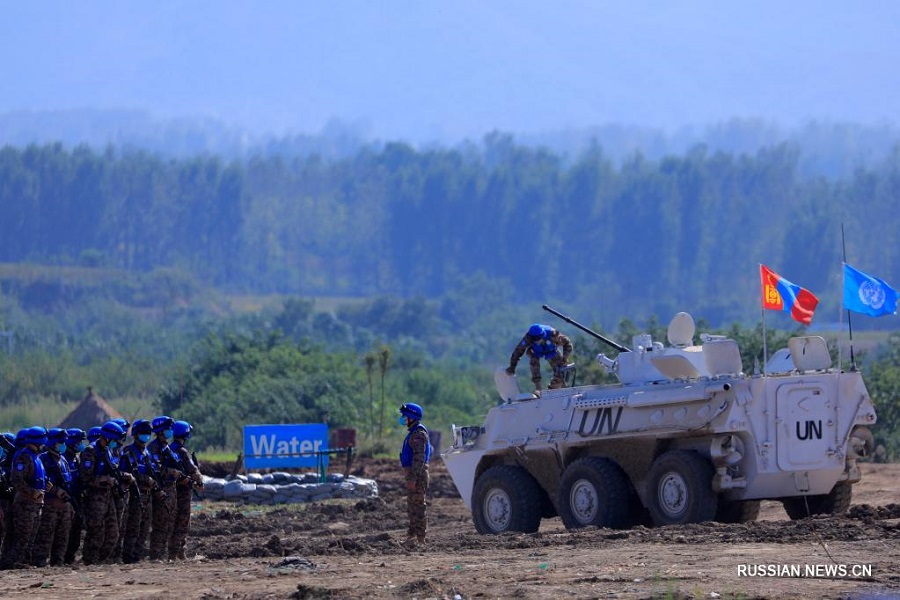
(101, 519)
(76, 441)
(29, 481)
(136, 459)
(164, 508)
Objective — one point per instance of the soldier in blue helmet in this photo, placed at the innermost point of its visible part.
(29, 481)
(76, 441)
(137, 460)
(163, 510)
(191, 479)
(543, 341)
(7, 450)
(414, 457)
(101, 520)
(120, 494)
(52, 535)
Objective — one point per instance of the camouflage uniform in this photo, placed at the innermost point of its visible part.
(120, 497)
(414, 460)
(136, 460)
(6, 495)
(29, 483)
(546, 348)
(74, 463)
(101, 521)
(163, 506)
(56, 517)
(184, 489)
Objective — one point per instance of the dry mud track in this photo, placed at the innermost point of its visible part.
(349, 549)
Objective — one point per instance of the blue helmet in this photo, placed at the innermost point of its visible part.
(112, 431)
(123, 423)
(75, 435)
(141, 426)
(36, 435)
(160, 424)
(94, 434)
(182, 429)
(411, 411)
(56, 436)
(537, 330)
(21, 437)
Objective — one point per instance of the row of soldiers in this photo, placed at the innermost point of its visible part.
(57, 483)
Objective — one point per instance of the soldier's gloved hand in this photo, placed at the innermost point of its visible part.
(129, 478)
(510, 370)
(62, 495)
(198, 478)
(160, 495)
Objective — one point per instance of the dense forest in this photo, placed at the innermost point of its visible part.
(397, 273)
(647, 237)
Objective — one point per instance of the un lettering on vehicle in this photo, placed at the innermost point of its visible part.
(600, 421)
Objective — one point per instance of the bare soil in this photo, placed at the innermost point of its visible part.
(350, 549)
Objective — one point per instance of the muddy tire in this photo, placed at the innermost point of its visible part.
(594, 491)
(679, 489)
(836, 502)
(506, 498)
(737, 511)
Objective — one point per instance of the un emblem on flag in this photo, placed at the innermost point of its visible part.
(871, 294)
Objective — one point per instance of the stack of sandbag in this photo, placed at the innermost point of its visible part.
(287, 488)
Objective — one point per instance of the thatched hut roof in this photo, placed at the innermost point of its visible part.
(92, 410)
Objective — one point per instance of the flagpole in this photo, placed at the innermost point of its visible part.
(849, 322)
(762, 316)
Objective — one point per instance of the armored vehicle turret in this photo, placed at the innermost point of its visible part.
(685, 436)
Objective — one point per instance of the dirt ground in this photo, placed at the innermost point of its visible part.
(349, 549)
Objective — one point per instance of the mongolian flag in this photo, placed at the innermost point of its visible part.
(780, 294)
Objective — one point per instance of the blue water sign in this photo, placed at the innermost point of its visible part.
(276, 446)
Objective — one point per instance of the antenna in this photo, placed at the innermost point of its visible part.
(849, 323)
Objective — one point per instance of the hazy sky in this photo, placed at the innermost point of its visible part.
(456, 68)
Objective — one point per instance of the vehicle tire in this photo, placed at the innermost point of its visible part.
(594, 491)
(835, 502)
(506, 498)
(679, 489)
(737, 511)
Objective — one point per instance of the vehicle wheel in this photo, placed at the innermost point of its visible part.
(506, 498)
(737, 511)
(594, 491)
(679, 489)
(835, 502)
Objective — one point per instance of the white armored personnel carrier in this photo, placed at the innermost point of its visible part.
(685, 436)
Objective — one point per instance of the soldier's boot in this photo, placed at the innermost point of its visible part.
(180, 554)
(410, 543)
(557, 383)
(420, 539)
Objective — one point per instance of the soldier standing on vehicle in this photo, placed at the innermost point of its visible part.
(542, 341)
(414, 457)
(101, 521)
(56, 517)
(75, 443)
(192, 479)
(163, 510)
(137, 460)
(29, 481)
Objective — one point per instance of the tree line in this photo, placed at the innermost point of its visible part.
(641, 238)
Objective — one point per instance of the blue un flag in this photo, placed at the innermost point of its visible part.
(868, 295)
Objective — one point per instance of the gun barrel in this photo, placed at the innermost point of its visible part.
(587, 330)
